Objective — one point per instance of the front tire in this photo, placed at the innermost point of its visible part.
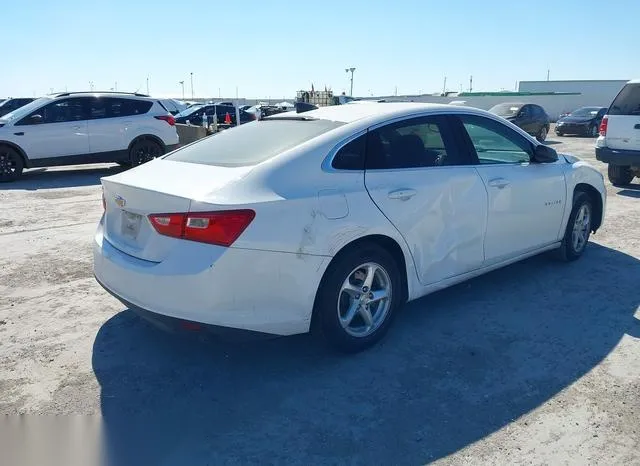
(578, 229)
(11, 164)
(620, 175)
(542, 134)
(358, 298)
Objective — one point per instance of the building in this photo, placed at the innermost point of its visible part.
(556, 97)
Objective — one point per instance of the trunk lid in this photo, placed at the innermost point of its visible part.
(160, 186)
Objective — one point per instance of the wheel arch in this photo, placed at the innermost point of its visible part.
(23, 154)
(151, 137)
(383, 241)
(596, 199)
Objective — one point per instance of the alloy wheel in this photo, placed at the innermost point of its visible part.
(364, 300)
(144, 152)
(581, 228)
(9, 163)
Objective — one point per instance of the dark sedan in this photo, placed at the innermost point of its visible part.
(194, 115)
(584, 121)
(530, 117)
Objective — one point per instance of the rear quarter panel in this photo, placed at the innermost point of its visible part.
(306, 211)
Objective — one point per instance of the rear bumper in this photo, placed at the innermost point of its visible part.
(618, 157)
(259, 291)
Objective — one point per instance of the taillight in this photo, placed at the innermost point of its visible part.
(221, 228)
(603, 125)
(168, 118)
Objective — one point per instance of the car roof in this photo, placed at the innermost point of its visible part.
(103, 94)
(382, 111)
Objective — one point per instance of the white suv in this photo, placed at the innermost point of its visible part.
(619, 141)
(81, 127)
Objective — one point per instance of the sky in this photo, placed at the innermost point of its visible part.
(272, 48)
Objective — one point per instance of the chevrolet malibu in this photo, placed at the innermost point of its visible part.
(332, 219)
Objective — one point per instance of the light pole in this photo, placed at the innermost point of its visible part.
(182, 84)
(350, 70)
(191, 85)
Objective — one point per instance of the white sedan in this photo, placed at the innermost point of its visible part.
(334, 218)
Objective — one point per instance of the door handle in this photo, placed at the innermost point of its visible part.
(403, 194)
(21, 133)
(498, 183)
(77, 127)
(637, 126)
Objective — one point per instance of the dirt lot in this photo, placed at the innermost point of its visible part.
(538, 363)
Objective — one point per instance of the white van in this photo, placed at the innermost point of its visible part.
(619, 140)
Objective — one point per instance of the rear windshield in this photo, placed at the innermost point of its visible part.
(252, 143)
(627, 102)
(504, 110)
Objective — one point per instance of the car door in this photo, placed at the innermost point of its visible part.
(525, 199)
(539, 118)
(112, 125)
(526, 119)
(58, 129)
(431, 192)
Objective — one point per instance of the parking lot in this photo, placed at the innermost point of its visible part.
(535, 363)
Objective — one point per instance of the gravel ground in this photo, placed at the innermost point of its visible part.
(537, 363)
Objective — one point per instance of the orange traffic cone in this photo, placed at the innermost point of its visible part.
(227, 119)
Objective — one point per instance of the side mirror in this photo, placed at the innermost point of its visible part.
(545, 154)
(35, 119)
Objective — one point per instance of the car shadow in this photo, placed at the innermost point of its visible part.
(41, 178)
(457, 366)
(631, 190)
(551, 142)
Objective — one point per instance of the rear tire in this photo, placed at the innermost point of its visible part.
(350, 310)
(620, 175)
(593, 131)
(11, 164)
(578, 229)
(144, 150)
(542, 134)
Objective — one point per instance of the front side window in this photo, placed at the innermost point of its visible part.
(59, 111)
(495, 142)
(414, 143)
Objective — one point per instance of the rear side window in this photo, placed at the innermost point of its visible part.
(351, 155)
(627, 102)
(414, 143)
(252, 143)
(113, 107)
(117, 107)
